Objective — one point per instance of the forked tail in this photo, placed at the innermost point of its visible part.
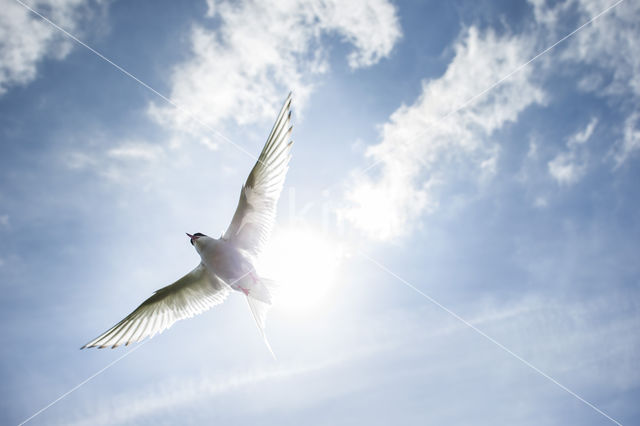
(260, 299)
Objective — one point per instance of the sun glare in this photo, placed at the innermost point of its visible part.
(304, 263)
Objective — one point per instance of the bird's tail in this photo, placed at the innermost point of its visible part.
(259, 310)
(260, 299)
(265, 290)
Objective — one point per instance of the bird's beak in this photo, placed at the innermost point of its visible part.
(191, 237)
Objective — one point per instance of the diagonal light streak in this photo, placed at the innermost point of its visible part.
(486, 336)
(189, 113)
(102, 370)
(82, 383)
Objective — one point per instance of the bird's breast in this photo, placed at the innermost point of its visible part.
(226, 261)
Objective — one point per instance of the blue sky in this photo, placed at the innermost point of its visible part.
(513, 205)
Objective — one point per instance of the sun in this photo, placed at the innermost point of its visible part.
(304, 263)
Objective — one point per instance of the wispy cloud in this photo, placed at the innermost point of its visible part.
(609, 45)
(570, 165)
(177, 393)
(567, 340)
(260, 50)
(421, 154)
(128, 160)
(136, 151)
(25, 40)
(420, 150)
(606, 54)
(631, 138)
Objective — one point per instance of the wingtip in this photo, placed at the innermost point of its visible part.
(88, 345)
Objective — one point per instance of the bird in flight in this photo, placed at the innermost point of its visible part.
(226, 263)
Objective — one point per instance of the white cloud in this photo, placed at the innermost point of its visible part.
(631, 138)
(610, 45)
(549, 15)
(128, 160)
(569, 166)
(584, 135)
(136, 151)
(607, 54)
(78, 160)
(211, 8)
(26, 39)
(420, 151)
(532, 153)
(541, 202)
(262, 49)
(565, 169)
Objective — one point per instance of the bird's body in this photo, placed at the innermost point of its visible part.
(225, 263)
(233, 265)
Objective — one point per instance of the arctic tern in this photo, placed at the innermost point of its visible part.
(226, 263)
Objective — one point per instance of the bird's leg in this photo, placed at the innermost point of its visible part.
(255, 280)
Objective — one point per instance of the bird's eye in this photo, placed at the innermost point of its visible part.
(199, 234)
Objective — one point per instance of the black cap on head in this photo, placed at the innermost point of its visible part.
(195, 236)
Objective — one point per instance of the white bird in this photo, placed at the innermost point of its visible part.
(226, 263)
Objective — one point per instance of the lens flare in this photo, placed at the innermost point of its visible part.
(304, 263)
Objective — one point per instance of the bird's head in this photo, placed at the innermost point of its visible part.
(195, 237)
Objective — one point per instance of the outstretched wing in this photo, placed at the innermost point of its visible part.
(191, 295)
(254, 217)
